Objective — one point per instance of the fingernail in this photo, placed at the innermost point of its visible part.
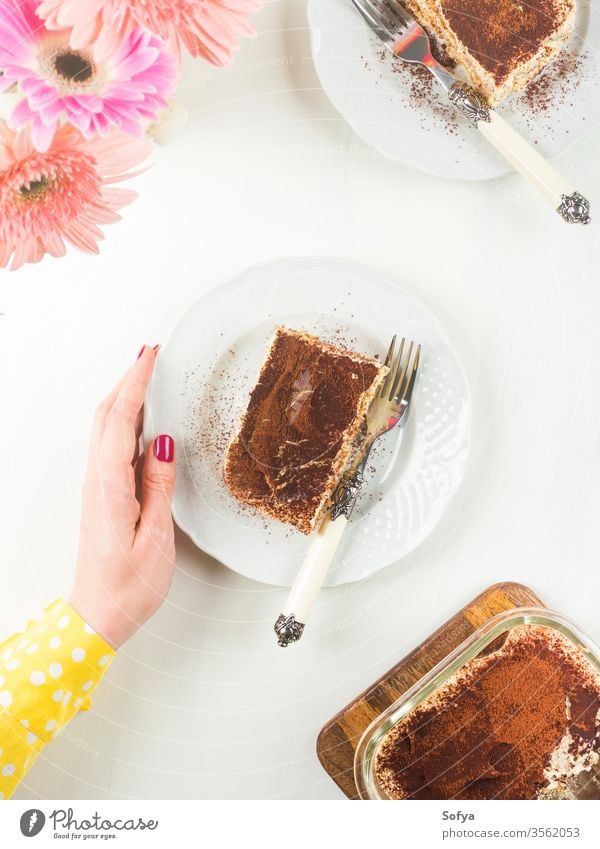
(142, 349)
(156, 349)
(164, 448)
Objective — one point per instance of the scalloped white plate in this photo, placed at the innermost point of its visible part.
(200, 388)
(376, 96)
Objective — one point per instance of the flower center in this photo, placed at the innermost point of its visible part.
(34, 189)
(73, 66)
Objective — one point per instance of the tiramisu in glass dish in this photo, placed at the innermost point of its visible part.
(501, 44)
(513, 713)
(296, 436)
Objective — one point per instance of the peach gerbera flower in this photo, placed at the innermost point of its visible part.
(63, 194)
(208, 28)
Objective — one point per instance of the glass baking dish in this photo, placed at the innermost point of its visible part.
(366, 753)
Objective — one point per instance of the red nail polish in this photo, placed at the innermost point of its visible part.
(142, 349)
(164, 448)
(156, 349)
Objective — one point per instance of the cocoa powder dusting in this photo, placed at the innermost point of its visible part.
(556, 84)
(492, 729)
(502, 34)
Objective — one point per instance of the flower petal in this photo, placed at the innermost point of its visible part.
(21, 114)
(42, 134)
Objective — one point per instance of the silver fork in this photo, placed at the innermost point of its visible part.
(387, 411)
(405, 38)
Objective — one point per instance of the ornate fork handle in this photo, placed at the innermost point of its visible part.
(469, 102)
(573, 207)
(288, 630)
(346, 494)
(289, 626)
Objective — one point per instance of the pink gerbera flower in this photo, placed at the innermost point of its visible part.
(62, 194)
(208, 28)
(122, 82)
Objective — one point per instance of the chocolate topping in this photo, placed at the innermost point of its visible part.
(300, 415)
(503, 33)
(491, 731)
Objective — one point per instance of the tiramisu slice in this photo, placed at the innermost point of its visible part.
(518, 722)
(296, 435)
(502, 44)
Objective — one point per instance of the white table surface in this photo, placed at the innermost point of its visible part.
(202, 703)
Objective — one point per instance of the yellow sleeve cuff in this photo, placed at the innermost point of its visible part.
(49, 671)
(18, 752)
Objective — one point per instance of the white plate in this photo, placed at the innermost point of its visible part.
(376, 95)
(200, 388)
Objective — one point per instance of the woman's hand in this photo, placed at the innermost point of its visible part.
(126, 549)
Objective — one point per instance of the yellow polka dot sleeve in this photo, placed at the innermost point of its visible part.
(47, 674)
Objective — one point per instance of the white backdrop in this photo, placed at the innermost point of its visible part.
(202, 703)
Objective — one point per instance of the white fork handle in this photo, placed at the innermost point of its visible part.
(560, 194)
(528, 162)
(309, 580)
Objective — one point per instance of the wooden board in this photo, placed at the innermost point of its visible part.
(339, 738)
